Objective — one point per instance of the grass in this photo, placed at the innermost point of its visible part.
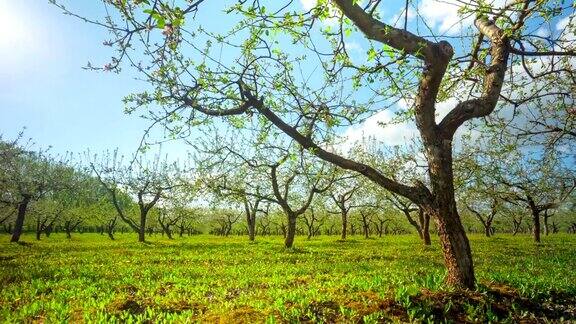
(212, 279)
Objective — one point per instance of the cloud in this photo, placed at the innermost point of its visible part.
(378, 127)
(353, 46)
(444, 17)
(567, 26)
(308, 4)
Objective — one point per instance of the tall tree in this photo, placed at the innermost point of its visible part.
(266, 78)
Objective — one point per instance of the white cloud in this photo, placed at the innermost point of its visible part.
(353, 46)
(563, 23)
(308, 4)
(567, 26)
(377, 127)
(444, 17)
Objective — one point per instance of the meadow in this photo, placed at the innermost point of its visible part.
(214, 279)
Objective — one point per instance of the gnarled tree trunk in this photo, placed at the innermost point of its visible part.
(455, 244)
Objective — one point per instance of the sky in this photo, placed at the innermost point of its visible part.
(44, 89)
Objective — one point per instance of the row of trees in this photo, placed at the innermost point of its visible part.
(273, 189)
(288, 73)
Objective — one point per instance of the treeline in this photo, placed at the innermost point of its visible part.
(43, 194)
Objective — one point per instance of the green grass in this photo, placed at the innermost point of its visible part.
(207, 278)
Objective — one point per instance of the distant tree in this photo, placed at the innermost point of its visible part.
(225, 220)
(46, 213)
(342, 194)
(539, 184)
(488, 218)
(421, 224)
(146, 181)
(313, 221)
(167, 219)
(27, 176)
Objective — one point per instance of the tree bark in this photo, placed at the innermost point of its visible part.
(455, 244)
(251, 228)
(344, 225)
(142, 229)
(488, 229)
(22, 206)
(456, 248)
(426, 229)
(536, 227)
(291, 231)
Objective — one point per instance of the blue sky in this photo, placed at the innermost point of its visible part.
(44, 88)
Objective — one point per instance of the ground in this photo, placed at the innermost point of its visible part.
(212, 279)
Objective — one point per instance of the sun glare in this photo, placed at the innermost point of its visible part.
(18, 35)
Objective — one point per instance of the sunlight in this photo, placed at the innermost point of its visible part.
(19, 37)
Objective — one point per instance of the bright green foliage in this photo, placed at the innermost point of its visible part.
(203, 278)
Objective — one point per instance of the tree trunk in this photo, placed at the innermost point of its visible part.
(111, 234)
(456, 249)
(22, 206)
(142, 229)
(414, 223)
(488, 229)
(536, 227)
(291, 231)
(251, 228)
(344, 225)
(48, 230)
(426, 229)
(455, 244)
(516, 227)
(68, 229)
(38, 230)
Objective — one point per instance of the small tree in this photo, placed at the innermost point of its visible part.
(540, 185)
(27, 176)
(145, 181)
(342, 195)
